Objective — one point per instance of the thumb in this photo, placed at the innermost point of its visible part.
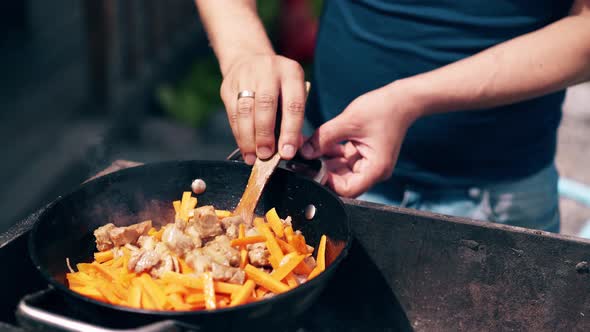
(326, 136)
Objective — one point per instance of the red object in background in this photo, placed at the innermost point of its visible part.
(297, 30)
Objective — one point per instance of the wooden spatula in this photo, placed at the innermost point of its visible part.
(261, 172)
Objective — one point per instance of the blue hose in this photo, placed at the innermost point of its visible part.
(578, 192)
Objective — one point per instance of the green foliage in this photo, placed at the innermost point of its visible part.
(194, 98)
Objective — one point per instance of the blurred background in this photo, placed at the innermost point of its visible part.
(86, 82)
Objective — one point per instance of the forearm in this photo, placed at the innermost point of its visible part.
(234, 29)
(541, 62)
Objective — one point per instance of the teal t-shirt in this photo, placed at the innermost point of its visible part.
(363, 45)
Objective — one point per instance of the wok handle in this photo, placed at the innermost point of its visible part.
(314, 169)
(34, 318)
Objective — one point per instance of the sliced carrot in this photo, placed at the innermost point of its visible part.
(88, 291)
(108, 293)
(104, 271)
(289, 233)
(298, 241)
(184, 268)
(184, 202)
(243, 251)
(321, 257)
(243, 258)
(247, 240)
(275, 222)
(209, 291)
(134, 299)
(103, 256)
(176, 205)
(174, 288)
(177, 303)
(286, 266)
(286, 247)
(291, 281)
(195, 298)
(260, 291)
(152, 290)
(244, 293)
(197, 282)
(276, 254)
(158, 234)
(265, 280)
(222, 213)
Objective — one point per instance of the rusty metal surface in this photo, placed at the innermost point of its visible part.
(453, 274)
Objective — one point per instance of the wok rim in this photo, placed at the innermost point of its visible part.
(171, 314)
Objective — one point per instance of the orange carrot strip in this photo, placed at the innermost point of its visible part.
(258, 221)
(106, 291)
(184, 268)
(243, 251)
(243, 294)
(243, 258)
(88, 291)
(134, 299)
(104, 271)
(314, 273)
(177, 303)
(276, 254)
(209, 291)
(222, 213)
(286, 247)
(321, 257)
(176, 205)
(275, 222)
(260, 291)
(195, 298)
(286, 266)
(153, 291)
(197, 282)
(291, 281)
(289, 233)
(103, 256)
(184, 202)
(265, 280)
(174, 288)
(298, 241)
(247, 240)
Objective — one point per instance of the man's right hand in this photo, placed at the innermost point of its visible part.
(252, 120)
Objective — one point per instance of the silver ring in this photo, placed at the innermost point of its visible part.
(246, 94)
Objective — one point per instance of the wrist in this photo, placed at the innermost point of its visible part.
(409, 104)
(227, 62)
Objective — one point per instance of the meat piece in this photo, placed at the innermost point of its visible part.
(231, 226)
(252, 232)
(232, 232)
(143, 260)
(146, 242)
(232, 275)
(176, 240)
(120, 236)
(103, 240)
(192, 231)
(206, 223)
(258, 255)
(310, 261)
(198, 261)
(166, 263)
(233, 220)
(287, 221)
(221, 251)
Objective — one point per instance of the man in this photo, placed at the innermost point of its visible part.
(473, 91)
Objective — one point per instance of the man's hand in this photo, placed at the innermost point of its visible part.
(253, 120)
(373, 127)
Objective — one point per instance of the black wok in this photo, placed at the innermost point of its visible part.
(146, 192)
